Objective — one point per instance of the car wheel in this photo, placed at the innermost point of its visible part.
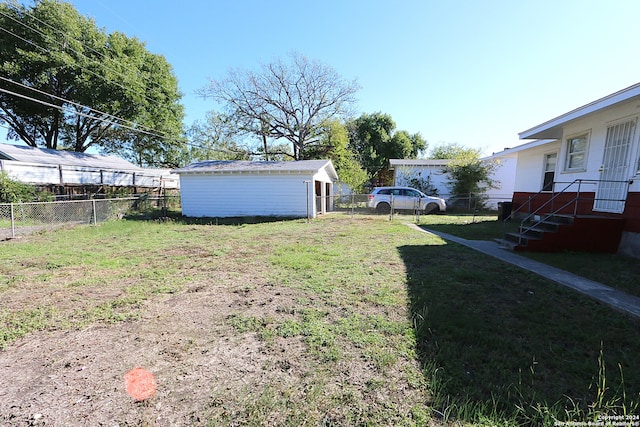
(431, 208)
(383, 208)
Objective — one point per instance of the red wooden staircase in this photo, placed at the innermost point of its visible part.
(556, 233)
(556, 226)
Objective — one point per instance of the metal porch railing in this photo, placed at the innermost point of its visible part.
(551, 203)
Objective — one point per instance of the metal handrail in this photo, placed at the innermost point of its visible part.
(523, 229)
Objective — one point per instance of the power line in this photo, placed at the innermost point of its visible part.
(61, 108)
(67, 36)
(107, 121)
(83, 107)
(113, 117)
(78, 53)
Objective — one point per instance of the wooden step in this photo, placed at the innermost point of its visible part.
(561, 232)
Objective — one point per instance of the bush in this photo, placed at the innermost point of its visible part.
(12, 191)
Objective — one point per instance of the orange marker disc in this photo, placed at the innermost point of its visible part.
(140, 383)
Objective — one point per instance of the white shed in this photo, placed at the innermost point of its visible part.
(229, 188)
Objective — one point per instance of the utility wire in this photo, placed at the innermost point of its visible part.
(78, 53)
(61, 108)
(184, 140)
(65, 35)
(203, 145)
(85, 107)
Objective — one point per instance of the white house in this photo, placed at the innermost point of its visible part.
(427, 170)
(220, 188)
(503, 177)
(432, 170)
(587, 163)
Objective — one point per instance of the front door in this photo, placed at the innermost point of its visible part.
(550, 161)
(613, 186)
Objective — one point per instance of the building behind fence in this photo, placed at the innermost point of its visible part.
(19, 219)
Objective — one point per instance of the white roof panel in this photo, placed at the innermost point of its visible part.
(60, 157)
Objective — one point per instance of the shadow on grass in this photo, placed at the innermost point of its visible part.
(477, 229)
(499, 342)
(177, 217)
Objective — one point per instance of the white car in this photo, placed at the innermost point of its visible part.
(382, 199)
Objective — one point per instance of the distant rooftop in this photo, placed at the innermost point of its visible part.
(250, 166)
(419, 162)
(60, 157)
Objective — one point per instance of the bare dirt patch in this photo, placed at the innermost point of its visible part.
(77, 377)
(207, 371)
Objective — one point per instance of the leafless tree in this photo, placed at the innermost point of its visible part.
(287, 100)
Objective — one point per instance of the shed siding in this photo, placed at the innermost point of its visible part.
(237, 194)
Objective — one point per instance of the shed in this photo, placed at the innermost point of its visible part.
(46, 167)
(229, 188)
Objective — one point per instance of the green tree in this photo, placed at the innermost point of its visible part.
(334, 145)
(284, 101)
(68, 85)
(374, 138)
(470, 176)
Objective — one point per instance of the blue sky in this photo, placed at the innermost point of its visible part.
(472, 72)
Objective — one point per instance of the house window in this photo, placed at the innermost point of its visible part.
(577, 152)
(549, 171)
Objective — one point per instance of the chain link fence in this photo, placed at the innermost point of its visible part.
(19, 219)
(359, 204)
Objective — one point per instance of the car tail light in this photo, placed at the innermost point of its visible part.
(371, 196)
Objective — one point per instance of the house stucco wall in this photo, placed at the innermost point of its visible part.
(504, 180)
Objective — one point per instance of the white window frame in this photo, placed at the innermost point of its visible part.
(569, 155)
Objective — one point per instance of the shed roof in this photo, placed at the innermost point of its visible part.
(245, 166)
(60, 157)
(552, 129)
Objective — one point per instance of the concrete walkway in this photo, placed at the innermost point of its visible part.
(619, 300)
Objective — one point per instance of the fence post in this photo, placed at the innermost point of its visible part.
(13, 223)
(353, 203)
(93, 206)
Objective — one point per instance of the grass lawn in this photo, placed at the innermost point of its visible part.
(341, 321)
(620, 272)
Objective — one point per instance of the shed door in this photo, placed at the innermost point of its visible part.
(613, 186)
(319, 199)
